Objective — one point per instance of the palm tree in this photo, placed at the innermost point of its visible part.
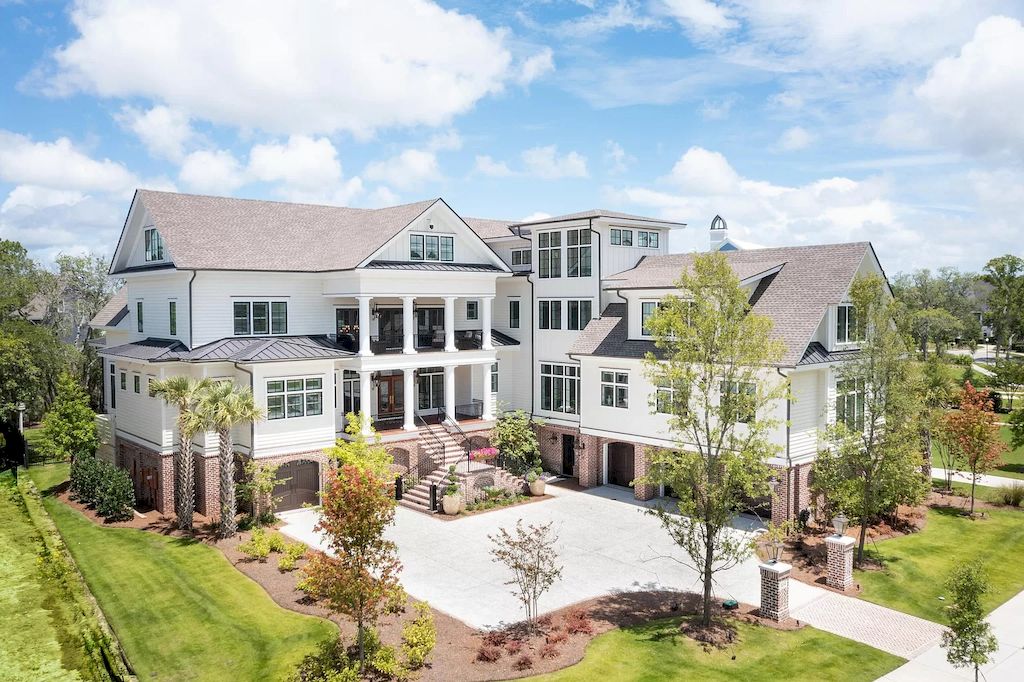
(184, 393)
(222, 407)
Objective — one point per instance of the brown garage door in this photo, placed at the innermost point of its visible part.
(620, 464)
(302, 486)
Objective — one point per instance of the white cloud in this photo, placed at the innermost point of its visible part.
(619, 15)
(320, 67)
(794, 139)
(535, 66)
(616, 158)
(215, 172)
(546, 163)
(488, 166)
(449, 140)
(162, 130)
(409, 169)
(699, 18)
(536, 215)
(717, 109)
(58, 165)
(302, 162)
(35, 197)
(78, 226)
(702, 171)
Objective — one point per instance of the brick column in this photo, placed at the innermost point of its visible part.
(775, 591)
(840, 561)
(641, 466)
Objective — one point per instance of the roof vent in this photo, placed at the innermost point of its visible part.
(719, 234)
(719, 223)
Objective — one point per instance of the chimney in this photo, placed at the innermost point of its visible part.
(719, 233)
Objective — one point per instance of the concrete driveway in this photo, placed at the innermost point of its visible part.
(606, 544)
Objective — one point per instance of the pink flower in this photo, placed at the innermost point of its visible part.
(483, 454)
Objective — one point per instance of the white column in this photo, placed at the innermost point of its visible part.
(485, 392)
(410, 400)
(408, 325)
(449, 393)
(365, 397)
(364, 325)
(449, 324)
(485, 317)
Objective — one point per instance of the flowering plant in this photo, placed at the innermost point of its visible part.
(483, 454)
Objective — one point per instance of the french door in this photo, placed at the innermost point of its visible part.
(430, 389)
(390, 395)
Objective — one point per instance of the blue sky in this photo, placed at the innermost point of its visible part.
(798, 122)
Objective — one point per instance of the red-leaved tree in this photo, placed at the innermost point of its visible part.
(362, 577)
(975, 433)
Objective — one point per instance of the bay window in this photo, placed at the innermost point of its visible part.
(560, 388)
(293, 398)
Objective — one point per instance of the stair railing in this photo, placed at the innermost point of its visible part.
(453, 428)
(439, 448)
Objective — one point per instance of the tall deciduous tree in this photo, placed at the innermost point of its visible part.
(21, 382)
(361, 577)
(969, 640)
(938, 390)
(874, 462)
(975, 432)
(184, 393)
(941, 306)
(1005, 275)
(223, 407)
(530, 554)
(361, 450)
(69, 428)
(717, 356)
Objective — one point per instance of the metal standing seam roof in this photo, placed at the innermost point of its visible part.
(811, 278)
(817, 354)
(113, 311)
(432, 266)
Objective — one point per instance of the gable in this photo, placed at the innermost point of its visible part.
(131, 252)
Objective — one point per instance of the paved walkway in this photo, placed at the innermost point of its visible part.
(1007, 663)
(986, 480)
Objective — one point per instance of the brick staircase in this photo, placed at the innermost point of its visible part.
(443, 450)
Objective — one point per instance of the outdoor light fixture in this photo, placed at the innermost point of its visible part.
(840, 523)
(775, 550)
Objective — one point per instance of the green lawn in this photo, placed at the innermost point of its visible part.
(179, 608)
(39, 641)
(916, 566)
(1013, 460)
(658, 651)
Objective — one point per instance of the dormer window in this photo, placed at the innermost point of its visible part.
(154, 245)
(847, 327)
(431, 247)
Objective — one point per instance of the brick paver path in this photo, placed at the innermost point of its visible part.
(883, 628)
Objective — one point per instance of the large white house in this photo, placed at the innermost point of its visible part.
(429, 323)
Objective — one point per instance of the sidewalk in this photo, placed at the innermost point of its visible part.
(987, 480)
(1007, 663)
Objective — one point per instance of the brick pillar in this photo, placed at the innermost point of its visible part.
(588, 462)
(165, 485)
(775, 591)
(840, 561)
(208, 486)
(641, 466)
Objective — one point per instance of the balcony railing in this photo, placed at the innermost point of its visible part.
(394, 342)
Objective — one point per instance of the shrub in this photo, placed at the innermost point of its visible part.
(516, 439)
(549, 650)
(545, 621)
(513, 646)
(257, 546)
(276, 542)
(495, 638)
(557, 637)
(329, 663)
(385, 661)
(1011, 495)
(115, 497)
(524, 662)
(577, 622)
(85, 479)
(488, 654)
(419, 637)
(293, 551)
(69, 428)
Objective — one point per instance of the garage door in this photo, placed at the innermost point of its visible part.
(302, 486)
(620, 464)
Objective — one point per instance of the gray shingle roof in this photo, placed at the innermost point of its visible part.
(598, 213)
(796, 299)
(113, 312)
(218, 233)
(486, 228)
(607, 336)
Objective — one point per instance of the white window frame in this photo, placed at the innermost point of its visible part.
(472, 310)
(621, 236)
(670, 393)
(494, 377)
(656, 303)
(172, 317)
(615, 388)
(569, 378)
(139, 315)
(735, 387)
(153, 245)
(857, 335)
(515, 311)
(440, 254)
(251, 329)
(350, 392)
(843, 395)
(287, 391)
(136, 383)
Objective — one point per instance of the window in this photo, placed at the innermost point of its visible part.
(668, 399)
(549, 252)
(124, 381)
(550, 314)
(653, 240)
(113, 386)
(647, 240)
(850, 396)
(138, 315)
(647, 309)
(847, 328)
(291, 398)
(577, 253)
(738, 400)
(154, 245)
(513, 314)
(149, 386)
(472, 310)
(350, 402)
(560, 388)
(430, 389)
(431, 247)
(494, 378)
(260, 317)
(642, 239)
(521, 256)
(172, 317)
(579, 314)
(622, 237)
(614, 389)
(136, 383)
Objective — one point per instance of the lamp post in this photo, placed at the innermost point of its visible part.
(21, 429)
(840, 524)
(775, 551)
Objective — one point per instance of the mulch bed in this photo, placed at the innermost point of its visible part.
(464, 514)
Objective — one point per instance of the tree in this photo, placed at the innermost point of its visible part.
(20, 384)
(1017, 428)
(222, 407)
(69, 428)
(184, 393)
(969, 640)
(1010, 378)
(945, 449)
(20, 276)
(75, 293)
(874, 462)
(530, 554)
(1005, 274)
(936, 325)
(516, 440)
(257, 490)
(360, 451)
(940, 307)
(715, 357)
(360, 578)
(974, 430)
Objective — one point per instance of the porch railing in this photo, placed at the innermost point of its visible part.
(394, 342)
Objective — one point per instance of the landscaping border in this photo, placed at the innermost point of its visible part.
(101, 645)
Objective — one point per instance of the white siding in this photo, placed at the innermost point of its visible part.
(280, 436)
(514, 369)
(155, 292)
(807, 413)
(468, 247)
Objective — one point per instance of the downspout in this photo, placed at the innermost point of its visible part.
(194, 273)
(533, 344)
(789, 458)
(252, 425)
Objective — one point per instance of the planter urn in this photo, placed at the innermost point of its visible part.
(451, 504)
(537, 487)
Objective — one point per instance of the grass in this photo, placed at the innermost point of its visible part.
(179, 608)
(39, 641)
(1013, 459)
(658, 651)
(981, 492)
(916, 566)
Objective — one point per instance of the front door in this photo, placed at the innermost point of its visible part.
(390, 395)
(620, 464)
(568, 454)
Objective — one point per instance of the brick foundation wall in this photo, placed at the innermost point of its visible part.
(208, 486)
(152, 473)
(551, 448)
(792, 492)
(589, 457)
